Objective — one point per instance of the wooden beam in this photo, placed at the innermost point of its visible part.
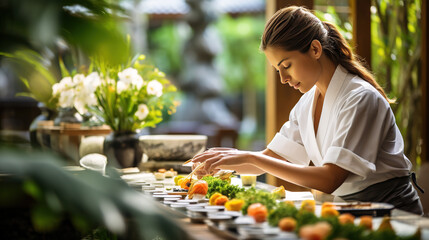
(425, 81)
(280, 99)
(361, 22)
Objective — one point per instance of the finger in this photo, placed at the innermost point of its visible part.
(195, 165)
(224, 163)
(211, 161)
(202, 156)
(199, 172)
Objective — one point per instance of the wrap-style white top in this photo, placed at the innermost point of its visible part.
(357, 132)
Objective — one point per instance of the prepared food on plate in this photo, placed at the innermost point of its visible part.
(308, 206)
(198, 189)
(159, 175)
(287, 224)
(329, 212)
(184, 183)
(336, 220)
(366, 221)
(221, 200)
(234, 204)
(258, 211)
(280, 191)
(362, 208)
(346, 218)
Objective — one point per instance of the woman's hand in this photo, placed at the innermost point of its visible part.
(221, 158)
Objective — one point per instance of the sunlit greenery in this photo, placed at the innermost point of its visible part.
(241, 63)
(396, 53)
(242, 66)
(165, 46)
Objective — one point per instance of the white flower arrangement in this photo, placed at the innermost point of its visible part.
(77, 92)
(126, 100)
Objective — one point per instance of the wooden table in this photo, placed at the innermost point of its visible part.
(404, 223)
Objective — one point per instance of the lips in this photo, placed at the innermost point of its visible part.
(296, 86)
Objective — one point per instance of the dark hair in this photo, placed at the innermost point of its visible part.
(294, 28)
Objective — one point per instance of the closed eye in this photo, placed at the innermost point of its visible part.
(288, 66)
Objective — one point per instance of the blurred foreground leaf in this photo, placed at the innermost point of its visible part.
(86, 195)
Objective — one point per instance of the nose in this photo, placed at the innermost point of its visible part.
(284, 79)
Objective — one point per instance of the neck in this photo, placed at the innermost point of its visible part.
(327, 69)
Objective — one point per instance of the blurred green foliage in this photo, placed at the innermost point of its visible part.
(242, 66)
(35, 33)
(165, 47)
(91, 25)
(37, 78)
(396, 53)
(240, 62)
(95, 205)
(331, 16)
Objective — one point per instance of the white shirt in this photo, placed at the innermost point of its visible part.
(357, 132)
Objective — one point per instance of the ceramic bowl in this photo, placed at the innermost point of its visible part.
(172, 147)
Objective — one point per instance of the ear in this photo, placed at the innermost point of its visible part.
(316, 49)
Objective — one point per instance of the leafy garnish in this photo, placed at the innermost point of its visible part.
(253, 195)
(221, 186)
(283, 210)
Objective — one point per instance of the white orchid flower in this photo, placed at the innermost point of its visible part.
(130, 76)
(83, 99)
(78, 79)
(137, 82)
(67, 98)
(92, 81)
(91, 100)
(154, 88)
(121, 86)
(56, 89)
(80, 105)
(142, 111)
(65, 84)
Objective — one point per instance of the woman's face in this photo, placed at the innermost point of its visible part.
(299, 70)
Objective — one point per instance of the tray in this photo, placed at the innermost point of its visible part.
(358, 209)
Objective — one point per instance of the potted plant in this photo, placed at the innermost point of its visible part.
(127, 97)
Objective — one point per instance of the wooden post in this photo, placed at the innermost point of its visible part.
(361, 21)
(425, 80)
(280, 99)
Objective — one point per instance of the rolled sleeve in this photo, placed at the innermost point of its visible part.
(349, 161)
(288, 149)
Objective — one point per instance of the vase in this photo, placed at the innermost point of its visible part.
(66, 115)
(123, 149)
(45, 115)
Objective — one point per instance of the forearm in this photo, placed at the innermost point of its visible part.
(326, 178)
(249, 168)
(252, 169)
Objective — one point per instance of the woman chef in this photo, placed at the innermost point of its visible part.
(343, 123)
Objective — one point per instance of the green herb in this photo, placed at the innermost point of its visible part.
(305, 218)
(221, 186)
(253, 195)
(283, 210)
